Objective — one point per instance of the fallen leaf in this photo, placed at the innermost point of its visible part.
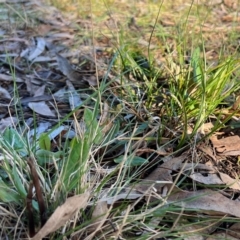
(41, 108)
(5, 77)
(207, 201)
(99, 216)
(222, 235)
(234, 230)
(212, 178)
(4, 93)
(62, 214)
(36, 99)
(161, 174)
(231, 3)
(67, 69)
(7, 122)
(40, 91)
(38, 189)
(125, 193)
(104, 114)
(226, 144)
(230, 182)
(41, 128)
(39, 48)
(73, 96)
(36, 48)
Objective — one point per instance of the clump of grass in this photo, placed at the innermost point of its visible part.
(103, 157)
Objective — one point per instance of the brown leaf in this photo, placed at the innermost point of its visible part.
(234, 230)
(210, 179)
(67, 69)
(125, 193)
(206, 200)
(29, 207)
(230, 182)
(161, 174)
(227, 144)
(99, 216)
(62, 214)
(222, 235)
(39, 194)
(231, 4)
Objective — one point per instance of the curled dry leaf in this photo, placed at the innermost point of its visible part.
(62, 214)
(104, 113)
(38, 49)
(227, 145)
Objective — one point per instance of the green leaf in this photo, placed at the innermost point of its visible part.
(45, 142)
(76, 164)
(18, 183)
(8, 195)
(93, 133)
(45, 156)
(131, 160)
(12, 137)
(197, 73)
(88, 117)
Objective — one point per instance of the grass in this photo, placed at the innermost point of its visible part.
(161, 87)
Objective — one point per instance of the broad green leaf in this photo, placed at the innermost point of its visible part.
(88, 117)
(18, 183)
(131, 160)
(93, 132)
(45, 156)
(12, 137)
(8, 195)
(75, 165)
(45, 142)
(197, 73)
(141, 128)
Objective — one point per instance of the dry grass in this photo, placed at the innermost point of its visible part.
(162, 69)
